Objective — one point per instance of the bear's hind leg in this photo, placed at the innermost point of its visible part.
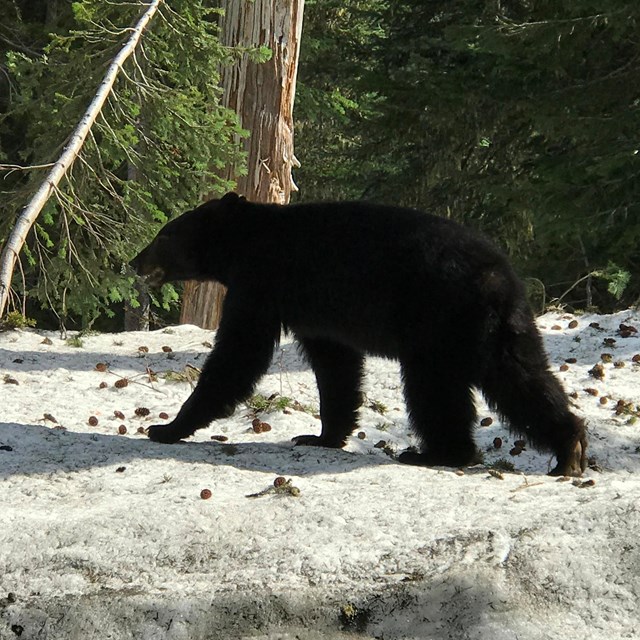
(536, 408)
(338, 372)
(442, 413)
(520, 386)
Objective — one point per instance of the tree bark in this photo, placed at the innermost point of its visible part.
(29, 215)
(262, 94)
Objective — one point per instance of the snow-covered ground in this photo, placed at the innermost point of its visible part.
(106, 535)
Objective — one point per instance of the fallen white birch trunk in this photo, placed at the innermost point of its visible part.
(25, 221)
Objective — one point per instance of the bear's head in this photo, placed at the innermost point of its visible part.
(182, 249)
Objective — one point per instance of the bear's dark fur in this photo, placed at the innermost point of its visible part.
(349, 279)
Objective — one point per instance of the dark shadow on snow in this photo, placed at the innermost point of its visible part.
(285, 358)
(439, 607)
(36, 449)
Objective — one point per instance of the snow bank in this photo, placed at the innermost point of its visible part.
(105, 535)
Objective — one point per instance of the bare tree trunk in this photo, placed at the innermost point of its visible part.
(25, 221)
(137, 318)
(262, 95)
(202, 304)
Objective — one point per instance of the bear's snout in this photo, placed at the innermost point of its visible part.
(138, 263)
(143, 265)
(135, 263)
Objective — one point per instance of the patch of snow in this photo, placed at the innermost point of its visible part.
(105, 535)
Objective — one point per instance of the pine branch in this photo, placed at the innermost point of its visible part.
(27, 218)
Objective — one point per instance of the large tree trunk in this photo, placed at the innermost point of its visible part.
(262, 95)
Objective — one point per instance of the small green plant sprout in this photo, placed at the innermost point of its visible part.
(259, 403)
(502, 464)
(16, 320)
(280, 487)
(378, 407)
(75, 341)
(189, 374)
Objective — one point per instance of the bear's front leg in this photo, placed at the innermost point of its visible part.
(241, 355)
(194, 414)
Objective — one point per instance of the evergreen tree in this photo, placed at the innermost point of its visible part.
(154, 151)
(516, 117)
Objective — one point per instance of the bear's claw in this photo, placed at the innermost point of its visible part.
(429, 459)
(165, 433)
(575, 463)
(316, 441)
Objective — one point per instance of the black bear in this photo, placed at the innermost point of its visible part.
(353, 278)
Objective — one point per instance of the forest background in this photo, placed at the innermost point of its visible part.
(520, 118)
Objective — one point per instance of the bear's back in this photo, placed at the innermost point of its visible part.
(362, 267)
(370, 242)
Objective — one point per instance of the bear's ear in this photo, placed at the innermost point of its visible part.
(232, 198)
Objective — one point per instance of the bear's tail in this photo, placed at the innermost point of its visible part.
(518, 384)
